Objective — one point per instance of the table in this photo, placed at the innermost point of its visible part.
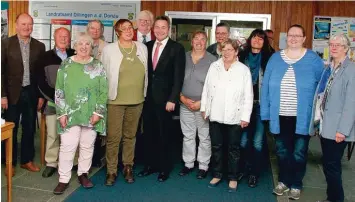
(6, 134)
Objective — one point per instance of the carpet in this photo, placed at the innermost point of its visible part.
(175, 189)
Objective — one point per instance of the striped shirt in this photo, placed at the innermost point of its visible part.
(25, 53)
(288, 91)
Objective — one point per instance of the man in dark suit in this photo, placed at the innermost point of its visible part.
(19, 92)
(166, 69)
(143, 33)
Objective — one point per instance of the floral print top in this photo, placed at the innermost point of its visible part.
(81, 91)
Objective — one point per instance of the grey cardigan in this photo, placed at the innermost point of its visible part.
(339, 112)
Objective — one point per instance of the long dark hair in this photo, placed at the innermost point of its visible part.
(259, 33)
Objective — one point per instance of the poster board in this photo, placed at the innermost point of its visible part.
(324, 27)
(50, 15)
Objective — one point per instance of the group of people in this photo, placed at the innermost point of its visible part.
(228, 97)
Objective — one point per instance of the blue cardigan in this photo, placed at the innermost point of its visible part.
(308, 71)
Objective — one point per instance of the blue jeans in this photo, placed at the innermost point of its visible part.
(291, 151)
(251, 143)
(332, 155)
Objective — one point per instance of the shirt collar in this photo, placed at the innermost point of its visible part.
(163, 43)
(140, 35)
(22, 41)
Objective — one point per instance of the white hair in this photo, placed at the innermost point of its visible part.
(83, 36)
(344, 40)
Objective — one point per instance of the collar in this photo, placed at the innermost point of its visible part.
(22, 41)
(164, 42)
(140, 35)
(57, 50)
(341, 64)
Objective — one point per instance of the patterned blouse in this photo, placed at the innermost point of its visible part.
(80, 92)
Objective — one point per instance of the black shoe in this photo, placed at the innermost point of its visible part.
(240, 176)
(185, 170)
(85, 181)
(146, 171)
(110, 179)
(48, 171)
(162, 176)
(201, 174)
(253, 181)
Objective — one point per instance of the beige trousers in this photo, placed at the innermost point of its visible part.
(53, 141)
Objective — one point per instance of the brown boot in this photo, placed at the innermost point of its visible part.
(128, 173)
(110, 179)
(13, 171)
(61, 187)
(85, 181)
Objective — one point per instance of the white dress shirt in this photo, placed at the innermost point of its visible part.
(161, 48)
(148, 37)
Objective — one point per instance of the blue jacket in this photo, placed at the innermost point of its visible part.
(308, 71)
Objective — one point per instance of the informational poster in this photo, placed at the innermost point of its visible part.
(4, 20)
(321, 28)
(325, 27)
(48, 16)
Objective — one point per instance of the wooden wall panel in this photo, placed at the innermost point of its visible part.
(15, 8)
(283, 13)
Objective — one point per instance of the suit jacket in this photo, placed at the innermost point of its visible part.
(135, 35)
(12, 66)
(339, 110)
(165, 82)
(48, 59)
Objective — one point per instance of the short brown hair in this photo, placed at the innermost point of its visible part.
(119, 23)
(232, 42)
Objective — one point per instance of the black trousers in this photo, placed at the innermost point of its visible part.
(332, 155)
(225, 136)
(26, 108)
(157, 136)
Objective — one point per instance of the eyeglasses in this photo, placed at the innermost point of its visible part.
(295, 36)
(335, 45)
(227, 50)
(126, 29)
(145, 21)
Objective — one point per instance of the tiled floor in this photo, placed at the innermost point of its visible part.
(314, 182)
(28, 186)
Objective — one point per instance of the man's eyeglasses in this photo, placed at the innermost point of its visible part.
(145, 21)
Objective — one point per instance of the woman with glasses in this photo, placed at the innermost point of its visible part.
(126, 65)
(227, 101)
(287, 92)
(336, 102)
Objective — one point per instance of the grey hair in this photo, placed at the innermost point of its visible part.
(83, 36)
(148, 13)
(101, 26)
(344, 40)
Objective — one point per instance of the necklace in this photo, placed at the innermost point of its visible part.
(129, 58)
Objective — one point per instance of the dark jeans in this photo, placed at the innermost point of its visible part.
(332, 155)
(252, 142)
(223, 135)
(26, 108)
(291, 151)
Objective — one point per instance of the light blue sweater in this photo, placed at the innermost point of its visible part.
(308, 71)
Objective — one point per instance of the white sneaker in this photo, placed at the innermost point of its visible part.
(280, 189)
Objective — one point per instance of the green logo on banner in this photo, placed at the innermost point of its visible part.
(130, 16)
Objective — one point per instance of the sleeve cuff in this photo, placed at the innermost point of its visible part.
(100, 115)
(61, 116)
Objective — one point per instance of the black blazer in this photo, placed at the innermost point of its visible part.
(165, 82)
(12, 67)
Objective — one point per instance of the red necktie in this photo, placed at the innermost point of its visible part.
(155, 57)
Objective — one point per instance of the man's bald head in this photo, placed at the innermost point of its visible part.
(24, 25)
